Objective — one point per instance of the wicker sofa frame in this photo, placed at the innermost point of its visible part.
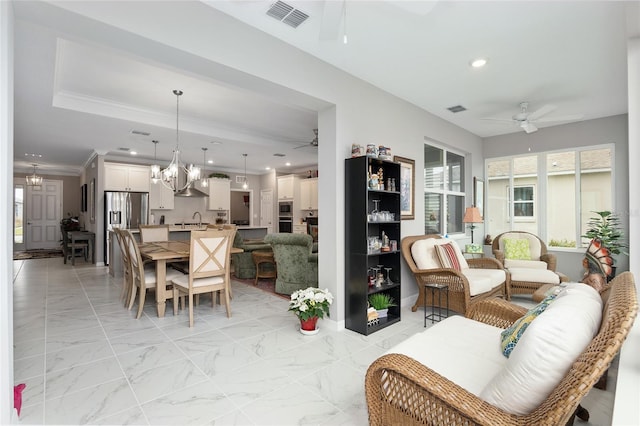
(399, 390)
(527, 287)
(460, 298)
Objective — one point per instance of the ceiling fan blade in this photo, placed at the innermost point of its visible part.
(506, 120)
(574, 117)
(541, 111)
(528, 127)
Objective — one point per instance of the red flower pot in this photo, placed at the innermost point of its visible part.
(309, 325)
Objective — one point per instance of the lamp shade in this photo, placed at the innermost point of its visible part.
(472, 215)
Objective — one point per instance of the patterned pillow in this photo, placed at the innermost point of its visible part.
(517, 249)
(447, 256)
(511, 335)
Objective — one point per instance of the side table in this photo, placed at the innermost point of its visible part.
(436, 316)
(263, 258)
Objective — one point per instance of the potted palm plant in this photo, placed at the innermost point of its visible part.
(606, 226)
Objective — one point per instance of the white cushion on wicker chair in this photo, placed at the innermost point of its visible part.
(462, 350)
(546, 351)
(534, 275)
(531, 264)
(424, 255)
(483, 280)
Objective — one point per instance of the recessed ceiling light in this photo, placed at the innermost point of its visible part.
(28, 154)
(287, 164)
(267, 168)
(478, 62)
(134, 153)
(210, 161)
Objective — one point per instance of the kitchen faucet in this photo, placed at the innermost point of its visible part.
(199, 218)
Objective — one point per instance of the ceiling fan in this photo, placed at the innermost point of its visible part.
(526, 120)
(313, 143)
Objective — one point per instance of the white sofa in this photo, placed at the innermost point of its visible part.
(455, 372)
(471, 281)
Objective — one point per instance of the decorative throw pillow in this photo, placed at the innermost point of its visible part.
(517, 249)
(447, 256)
(511, 335)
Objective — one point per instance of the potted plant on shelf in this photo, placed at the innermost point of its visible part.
(381, 302)
(606, 226)
(309, 305)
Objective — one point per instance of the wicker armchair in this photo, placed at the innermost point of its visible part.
(460, 298)
(400, 390)
(523, 279)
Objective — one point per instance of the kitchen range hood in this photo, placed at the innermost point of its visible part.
(190, 190)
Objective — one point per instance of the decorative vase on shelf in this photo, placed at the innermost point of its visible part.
(382, 313)
(309, 327)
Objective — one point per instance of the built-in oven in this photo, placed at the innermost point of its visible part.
(285, 224)
(285, 208)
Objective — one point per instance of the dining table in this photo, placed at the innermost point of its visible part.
(162, 252)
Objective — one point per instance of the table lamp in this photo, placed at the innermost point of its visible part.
(472, 215)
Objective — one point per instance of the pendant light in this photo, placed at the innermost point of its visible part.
(204, 180)
(172, 171)
(245, 185)
(155, 168)
(34, 180)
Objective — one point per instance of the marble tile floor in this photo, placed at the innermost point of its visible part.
(87, 360)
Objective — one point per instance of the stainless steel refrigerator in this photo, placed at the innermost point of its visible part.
(125, 210)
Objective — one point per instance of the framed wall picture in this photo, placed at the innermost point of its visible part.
(92, 201)
(83, 198)
(478, 195)
(407, 187)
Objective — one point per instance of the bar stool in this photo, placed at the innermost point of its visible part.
(265, 264)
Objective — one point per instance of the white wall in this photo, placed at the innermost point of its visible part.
(360, 113)
(6, 212)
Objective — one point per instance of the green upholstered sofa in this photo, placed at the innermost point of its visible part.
(243, 265)
(297, 266)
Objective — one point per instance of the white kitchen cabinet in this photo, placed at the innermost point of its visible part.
(126, 177)
(160, 197)
(309, 194)
(219, 194)
(299, 229)
(287, 187)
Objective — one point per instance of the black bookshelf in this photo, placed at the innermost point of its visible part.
(359, 226)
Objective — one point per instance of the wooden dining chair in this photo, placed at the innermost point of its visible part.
(152, 233)
(209, 257)
(125, 293)
(142, 278)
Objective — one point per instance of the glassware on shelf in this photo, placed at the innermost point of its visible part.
(377, 205)
(389, 282)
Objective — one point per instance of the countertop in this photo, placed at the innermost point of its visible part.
(187, 228)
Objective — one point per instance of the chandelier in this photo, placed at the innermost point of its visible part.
(170, 175)
(34, 180)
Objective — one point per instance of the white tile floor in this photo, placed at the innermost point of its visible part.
(86, 360)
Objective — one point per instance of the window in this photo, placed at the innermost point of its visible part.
(578, 182)
(523, 202)
(444, 195)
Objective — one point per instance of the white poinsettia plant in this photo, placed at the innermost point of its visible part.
(311, 302)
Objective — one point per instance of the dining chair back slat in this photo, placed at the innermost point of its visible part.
(152, 233)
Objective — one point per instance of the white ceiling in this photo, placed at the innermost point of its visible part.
(74, 96)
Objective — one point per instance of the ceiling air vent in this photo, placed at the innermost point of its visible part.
(279, 155)
(457, 108)
(123, 149)
(287, 14)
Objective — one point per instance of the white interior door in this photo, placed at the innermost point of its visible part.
(266, 209)
(44, 212)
